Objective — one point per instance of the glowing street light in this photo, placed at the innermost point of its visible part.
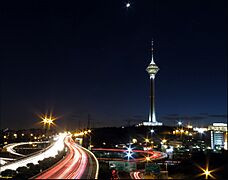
(152, 131)
(206, 171)
(48, 120)
(134, 140)
(129, 154)
(129, 149)
(147, 158)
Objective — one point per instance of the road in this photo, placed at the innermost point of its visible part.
(10, 147)
(51, 151)
(79, 163)
(153, 155)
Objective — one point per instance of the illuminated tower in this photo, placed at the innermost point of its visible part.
(152, 70)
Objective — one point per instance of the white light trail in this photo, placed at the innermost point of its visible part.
(10, 147)
(51, 151)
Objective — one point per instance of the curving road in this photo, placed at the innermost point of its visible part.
(51, 151)
(153, 155)
(10, 147)
(79, 163)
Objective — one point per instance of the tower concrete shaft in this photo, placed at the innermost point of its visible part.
(152, 69)
(152, 117)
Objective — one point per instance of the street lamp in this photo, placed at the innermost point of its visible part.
(47, 120)
(206, 171)
(147, 159)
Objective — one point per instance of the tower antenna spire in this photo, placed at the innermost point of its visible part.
(152, 52)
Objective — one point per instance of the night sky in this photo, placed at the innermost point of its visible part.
(89, 57)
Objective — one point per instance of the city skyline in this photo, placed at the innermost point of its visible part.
(79, 59)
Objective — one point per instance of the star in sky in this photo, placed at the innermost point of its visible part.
(128, 5)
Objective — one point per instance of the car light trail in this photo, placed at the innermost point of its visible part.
(96, 161)
(77, 164)
(136, 175)
(51, 151)
(153, 155)
(10, 147)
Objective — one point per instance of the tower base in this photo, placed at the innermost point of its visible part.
(147, 123)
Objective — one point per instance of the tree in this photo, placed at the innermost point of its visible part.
(8, 173)
(30, 165)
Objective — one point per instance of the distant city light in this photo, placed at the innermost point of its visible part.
(164, 141)
(189, 126)
(200, 130)
(179, 123)
(147, 140)
(152, 131)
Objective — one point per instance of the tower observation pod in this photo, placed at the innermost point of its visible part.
(152, 70)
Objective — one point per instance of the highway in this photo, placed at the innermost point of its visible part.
(79, 163)
(51, 151)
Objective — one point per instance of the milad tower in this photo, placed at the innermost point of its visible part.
(152, 70)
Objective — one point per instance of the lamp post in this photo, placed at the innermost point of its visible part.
(47, 121)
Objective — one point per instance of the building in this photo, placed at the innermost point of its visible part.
(218, 133)
(218, 127)
(152, 70)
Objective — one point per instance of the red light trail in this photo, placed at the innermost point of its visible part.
(74, 166)
(153, 155)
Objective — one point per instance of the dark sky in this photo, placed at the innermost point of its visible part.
(89, 57)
